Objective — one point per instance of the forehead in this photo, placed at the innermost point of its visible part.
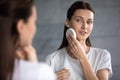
(84, 13)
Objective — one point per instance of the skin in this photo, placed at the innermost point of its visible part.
(82, 23)
(63, 74)
(26, 32)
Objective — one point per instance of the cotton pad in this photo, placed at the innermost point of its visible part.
(71, 32)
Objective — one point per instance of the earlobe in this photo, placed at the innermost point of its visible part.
(67, 23)
(20, 26)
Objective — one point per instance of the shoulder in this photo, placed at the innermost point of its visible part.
(33, 71)
(56, 59)
(100, 52)
(40, 66)
(103, 59)
(57, 54)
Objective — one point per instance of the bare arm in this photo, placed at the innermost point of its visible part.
(87, 70)
(90, 75)
(103, 74)
(79, 52)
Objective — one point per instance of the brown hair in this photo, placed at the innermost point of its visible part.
(75, 6)
(11, 11)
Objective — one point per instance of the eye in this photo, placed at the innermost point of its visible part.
(79, 20)
(89, 22)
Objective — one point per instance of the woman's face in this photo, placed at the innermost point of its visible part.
(82, 22)
(28, 29)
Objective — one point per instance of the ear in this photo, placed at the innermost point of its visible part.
(67, 23)
(20, 26)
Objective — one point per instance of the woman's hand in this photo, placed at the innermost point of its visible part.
(27, 52)
(76, 48)
(63, 74)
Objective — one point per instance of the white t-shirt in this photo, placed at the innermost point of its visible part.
(98, 58)
(25, 70)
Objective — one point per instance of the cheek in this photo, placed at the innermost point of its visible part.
(90, 28)
(32, 28)
(30, 32)
(75, 26)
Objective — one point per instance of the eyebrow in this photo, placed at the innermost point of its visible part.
(82, 17)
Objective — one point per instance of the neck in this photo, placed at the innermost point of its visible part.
(83, 43)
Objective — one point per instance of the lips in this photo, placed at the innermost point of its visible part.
(82, 32)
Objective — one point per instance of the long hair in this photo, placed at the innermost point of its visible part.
(11, 11)
(75, 6)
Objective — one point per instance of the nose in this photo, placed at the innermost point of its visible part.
(84, 25)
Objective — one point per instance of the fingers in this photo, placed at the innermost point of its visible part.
(31, 53)
(74, 46)
(72, 38)
(20, 54)
(27, 53)
(72, 42)
(63, 74)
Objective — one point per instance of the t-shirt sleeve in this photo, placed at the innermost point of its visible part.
(48, 60)
(105, 62)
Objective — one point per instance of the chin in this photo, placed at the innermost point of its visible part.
(81, 38)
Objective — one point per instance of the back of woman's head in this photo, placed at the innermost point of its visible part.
(11, 11)
(75, 6)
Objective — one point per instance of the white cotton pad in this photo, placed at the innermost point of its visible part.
(71, 32)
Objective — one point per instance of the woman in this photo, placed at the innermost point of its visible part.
(17, 29)
(76, 59)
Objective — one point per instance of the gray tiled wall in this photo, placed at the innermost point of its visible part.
(106, 32)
